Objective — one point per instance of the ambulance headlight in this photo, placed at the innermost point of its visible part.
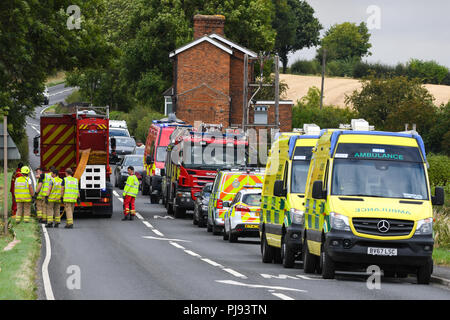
(424, 226)
(339, 222)
(297, 216)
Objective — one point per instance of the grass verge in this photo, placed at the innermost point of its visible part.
(441, 257)
(18, 265)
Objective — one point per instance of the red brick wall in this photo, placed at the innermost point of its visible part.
(205, 24)
(285, 114)
(203, 64)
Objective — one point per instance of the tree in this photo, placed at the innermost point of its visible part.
(345, 41)
(390, 103)
(296, 28)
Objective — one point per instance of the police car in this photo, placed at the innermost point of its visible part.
(242, 216)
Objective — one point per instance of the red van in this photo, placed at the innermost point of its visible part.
(155, 155)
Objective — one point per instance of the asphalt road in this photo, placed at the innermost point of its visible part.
(159, 257)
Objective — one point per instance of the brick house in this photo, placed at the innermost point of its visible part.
(209, 80)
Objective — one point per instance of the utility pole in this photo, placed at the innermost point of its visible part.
(5, 173)
(324, 55)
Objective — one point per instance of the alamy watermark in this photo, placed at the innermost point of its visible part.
(73, 282)
(374, 19)
(74, 20)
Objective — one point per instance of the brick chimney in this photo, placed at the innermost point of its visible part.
(207, 24)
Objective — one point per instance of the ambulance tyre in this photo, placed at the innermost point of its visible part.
(287, 254)
(309, 260)
(424, 272)
(326, 264)
(267, 251)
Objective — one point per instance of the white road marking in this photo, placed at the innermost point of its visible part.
(162, 217)
(45, 276)
(213, 263)
(235, 273)
(192, 253)
(235, 283)
(116, 193)
(139, 216)
(165, 239)
(158, 233)
(148, 224)
(282, 296)
(176, 245)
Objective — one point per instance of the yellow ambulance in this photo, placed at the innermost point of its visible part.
(368, 202)
(282, 200)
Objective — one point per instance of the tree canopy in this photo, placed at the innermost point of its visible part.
(296, 27)
(345, 41)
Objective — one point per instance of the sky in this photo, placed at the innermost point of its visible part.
(402, 30)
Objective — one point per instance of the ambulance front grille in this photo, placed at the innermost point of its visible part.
(375, 226)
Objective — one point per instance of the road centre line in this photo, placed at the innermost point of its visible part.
(282, 296)
(176, 245)
(45, 276)
(213, 263)
(235, 273)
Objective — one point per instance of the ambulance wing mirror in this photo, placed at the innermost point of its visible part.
(36, 145)
(317, 191)
(278, 189)
(149, 160)
(438, 198)
(163, 172)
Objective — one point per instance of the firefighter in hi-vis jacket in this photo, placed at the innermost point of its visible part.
(23, 191)
(130, 192)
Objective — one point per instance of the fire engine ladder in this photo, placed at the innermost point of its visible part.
(82, 163)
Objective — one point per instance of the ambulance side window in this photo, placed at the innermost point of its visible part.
(325, 179)
(285, 175)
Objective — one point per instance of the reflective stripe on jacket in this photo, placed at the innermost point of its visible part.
(55, 193)
(131, 186)
(21, 189)
(70, 189)
(45, 185)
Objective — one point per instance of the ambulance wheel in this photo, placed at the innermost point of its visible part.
(424, 272)
(327, 265)
(287, 254)
(309, 260)
(266, 250)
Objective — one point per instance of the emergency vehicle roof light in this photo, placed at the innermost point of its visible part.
(360, 125)
(311, 129)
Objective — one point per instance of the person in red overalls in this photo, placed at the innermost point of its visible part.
(14, 176)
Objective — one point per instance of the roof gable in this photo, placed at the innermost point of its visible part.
(200, 40)
(233, 45)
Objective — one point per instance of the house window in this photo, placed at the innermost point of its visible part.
(168, 105)
(260, 115)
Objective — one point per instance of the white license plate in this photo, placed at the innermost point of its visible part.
(381, 251)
